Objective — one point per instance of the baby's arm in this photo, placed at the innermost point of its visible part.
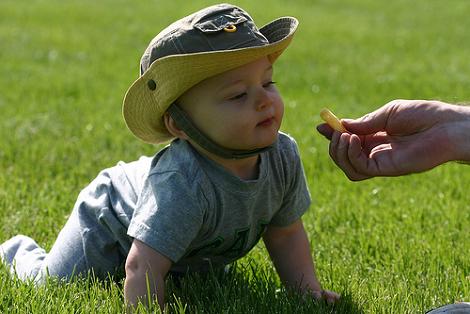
(290, 251)
(145, 264)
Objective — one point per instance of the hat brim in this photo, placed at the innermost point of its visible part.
(143, 108)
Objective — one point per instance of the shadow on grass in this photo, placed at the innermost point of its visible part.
(244, 290)
(241, 289)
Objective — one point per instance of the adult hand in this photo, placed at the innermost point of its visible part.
(402, 137)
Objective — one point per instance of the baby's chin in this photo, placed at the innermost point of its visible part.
(261, 140)
(268, 141)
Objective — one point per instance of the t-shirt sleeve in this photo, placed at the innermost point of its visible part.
(297, 198)
(168, 215)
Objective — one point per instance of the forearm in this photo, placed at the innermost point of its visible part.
(293, 261)
(146, 270)
(139, 284)
(459, 134)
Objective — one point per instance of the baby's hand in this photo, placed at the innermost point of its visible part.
(329, 296)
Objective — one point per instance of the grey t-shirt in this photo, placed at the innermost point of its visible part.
(196, 213)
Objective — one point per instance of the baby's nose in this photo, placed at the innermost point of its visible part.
(263, 100)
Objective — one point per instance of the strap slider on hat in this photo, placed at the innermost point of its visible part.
(151, 84)
(230, 29)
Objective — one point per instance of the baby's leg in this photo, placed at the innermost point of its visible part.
(93, 239)
(23, 255)
(66, 257)
(29, 261)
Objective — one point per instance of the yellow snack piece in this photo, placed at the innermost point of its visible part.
(332, 120)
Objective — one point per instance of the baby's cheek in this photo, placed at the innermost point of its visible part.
(279, 105)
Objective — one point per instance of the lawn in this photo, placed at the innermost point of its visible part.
(388, 245)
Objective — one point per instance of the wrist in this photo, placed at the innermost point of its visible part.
(459, 135)
(317, 294)
(313, 288)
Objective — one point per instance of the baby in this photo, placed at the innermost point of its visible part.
(228, 177)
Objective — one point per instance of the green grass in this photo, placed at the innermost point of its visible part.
(388, 245)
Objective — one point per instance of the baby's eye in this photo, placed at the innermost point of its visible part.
(239, 96)
(270, 83)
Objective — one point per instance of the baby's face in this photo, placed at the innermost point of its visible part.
(238, 109)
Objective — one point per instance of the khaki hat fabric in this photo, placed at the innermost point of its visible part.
(209, 42)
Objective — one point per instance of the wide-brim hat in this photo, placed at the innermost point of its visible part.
(211, 41)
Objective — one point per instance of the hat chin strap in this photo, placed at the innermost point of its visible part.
(184, 123)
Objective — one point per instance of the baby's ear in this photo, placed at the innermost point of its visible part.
(171, 126)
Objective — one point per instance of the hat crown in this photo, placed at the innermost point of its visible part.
(215, 28)
(201, 45)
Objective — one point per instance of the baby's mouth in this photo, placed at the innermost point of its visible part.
(266, 122)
